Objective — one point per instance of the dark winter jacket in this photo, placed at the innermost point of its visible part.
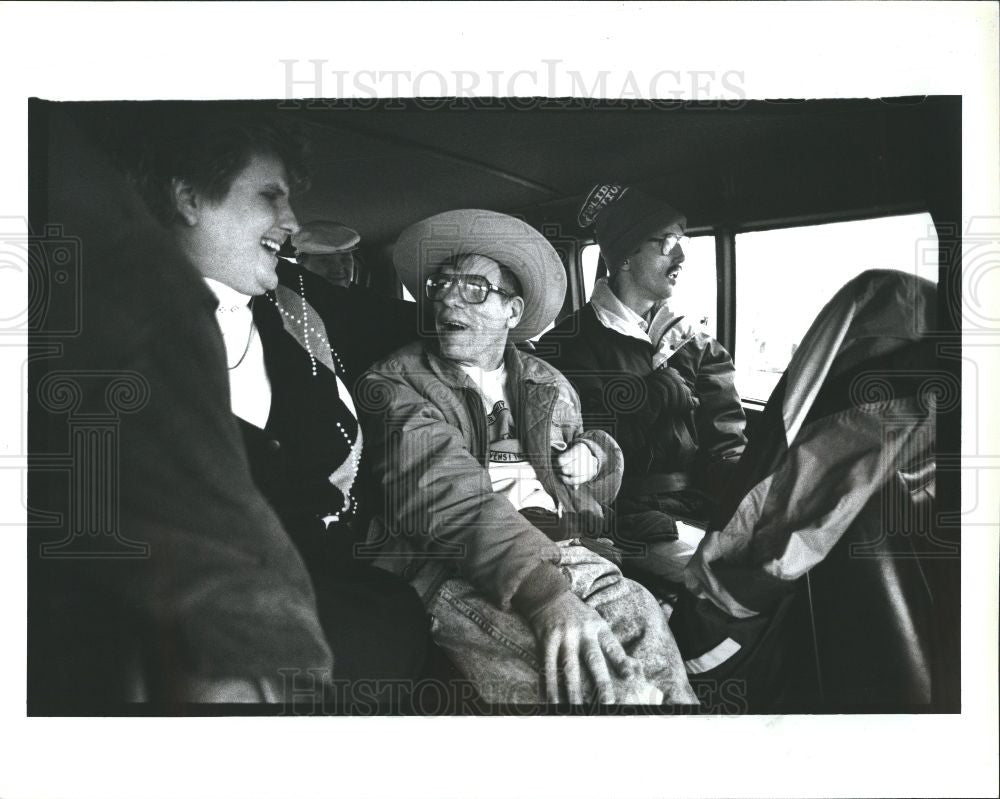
(663, 447)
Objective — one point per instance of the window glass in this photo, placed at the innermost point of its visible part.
(697, 285)
(406, 294)
(695, 296)
(784, 278)
(588, 259)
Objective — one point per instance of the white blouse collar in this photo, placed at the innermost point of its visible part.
(229, 298)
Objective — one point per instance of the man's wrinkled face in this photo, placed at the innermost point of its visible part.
(337, 268)
(236, 240)
(474, 334)
(654, 271)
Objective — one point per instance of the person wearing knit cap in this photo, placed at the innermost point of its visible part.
(495, 493)
(663, 388)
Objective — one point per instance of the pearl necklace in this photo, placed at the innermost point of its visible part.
(350, 501)
(307, 328)
(355, 455)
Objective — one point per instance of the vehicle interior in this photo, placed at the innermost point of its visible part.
(786, 200)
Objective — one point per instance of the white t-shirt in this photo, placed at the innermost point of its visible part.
(511, 473)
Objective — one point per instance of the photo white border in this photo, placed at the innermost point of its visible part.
(91, 51)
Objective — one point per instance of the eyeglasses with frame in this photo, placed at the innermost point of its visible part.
(473, 289)
(669, 241)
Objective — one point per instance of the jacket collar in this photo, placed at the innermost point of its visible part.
(616, 315)
(519, 368)
(667, 331)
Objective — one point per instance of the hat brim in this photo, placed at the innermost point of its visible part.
(325, 238)
(441, 239)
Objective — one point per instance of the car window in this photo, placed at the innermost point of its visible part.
(785, 276)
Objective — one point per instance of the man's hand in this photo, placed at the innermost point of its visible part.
(572, 636)
(677, 394)
(577, 465)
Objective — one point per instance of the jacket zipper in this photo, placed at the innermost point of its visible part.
(555, 487)
(475, 408)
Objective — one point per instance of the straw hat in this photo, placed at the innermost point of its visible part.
(426, 246)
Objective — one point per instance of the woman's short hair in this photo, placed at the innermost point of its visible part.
(208, 150)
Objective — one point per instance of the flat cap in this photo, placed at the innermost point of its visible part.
(325, 238)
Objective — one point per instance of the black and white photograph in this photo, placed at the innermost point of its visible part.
(419, 410)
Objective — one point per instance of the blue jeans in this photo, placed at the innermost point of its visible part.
(497, 649)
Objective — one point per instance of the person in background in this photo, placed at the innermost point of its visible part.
(663, 388)
(493, 487)
(327, 249)
(374, 324)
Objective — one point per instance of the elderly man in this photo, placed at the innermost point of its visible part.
(493, 488)
(327, 249)
(662, 387)
(369, 324)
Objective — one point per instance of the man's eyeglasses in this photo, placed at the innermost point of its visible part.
(669, 241)
(474, 289)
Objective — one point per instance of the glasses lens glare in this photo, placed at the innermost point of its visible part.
(671, 240)
(436, 287)
(473, 290)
